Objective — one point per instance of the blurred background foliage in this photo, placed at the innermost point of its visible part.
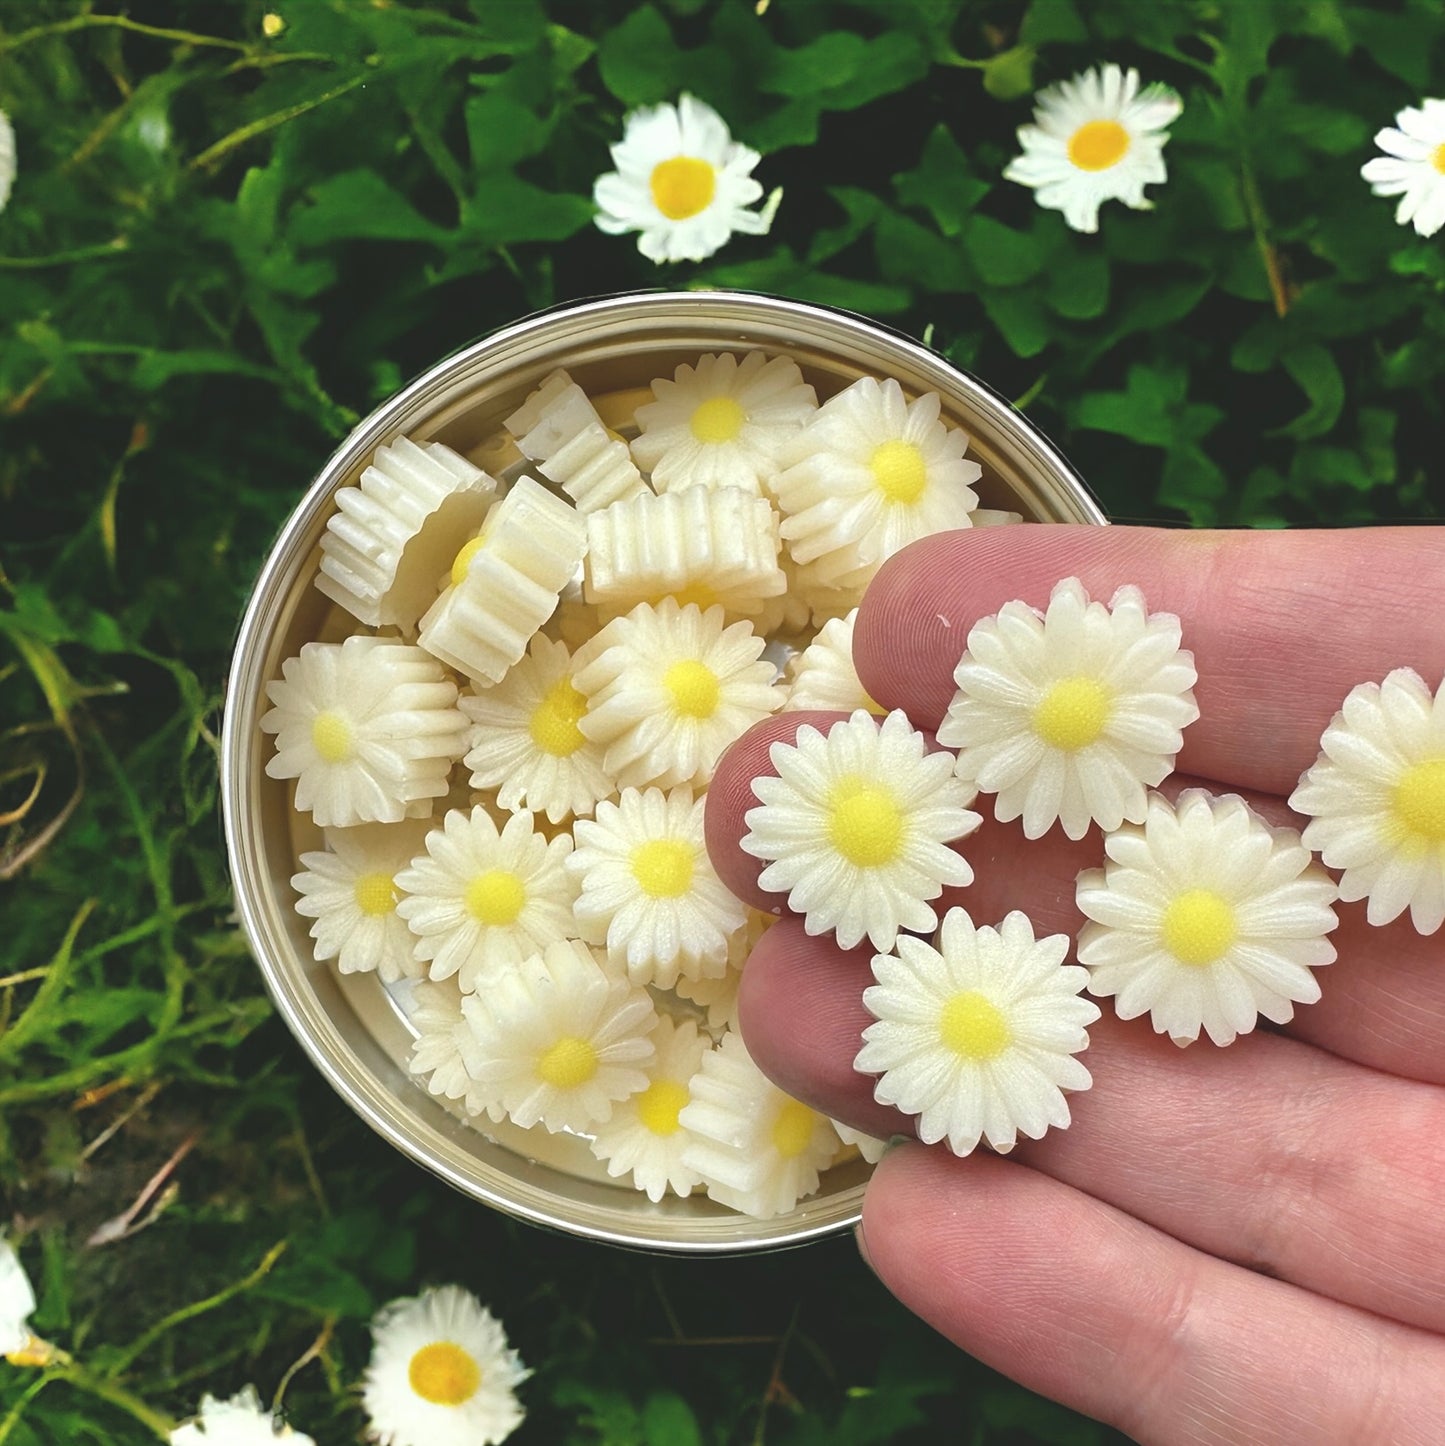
(239, 226)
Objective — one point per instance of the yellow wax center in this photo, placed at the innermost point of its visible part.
(865, 824)
(693, 688)
(463, 560)
(568, 1063)
(1199, 927)
(793, 1129)
(898, 470)
(683, 186)
(663, 867)
(1098, 144)
(692, 592)
(973, 1027)
(495, 897)
(1072, 714)
(659, 1105)
(719, 419)
(1420, 800)
(554, 720)
(444, 1374)
(1437, 158)
(331, 737)
(375, 895)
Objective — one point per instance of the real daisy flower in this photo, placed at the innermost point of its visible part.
(7, 158)
(441, 1373)
(1376, 799)
(668, 688)
(1095, 138)
(756, 1148)
(643, 1136)
(240, 1421)
(526, 742)
(869, 474)
(482, 897)
(368, 728)
(682, 182)
(645, 876)
(823, 675)
(1071, 714)
(1205, 917)
(558, 1039)
(17, 1301)
(1413, 166)
(857, 827)
(349, 891)
(723, 422)
(975, 1033)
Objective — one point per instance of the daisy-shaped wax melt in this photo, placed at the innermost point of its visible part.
(722, 423)
(647, 880)
(1206, 918)
(668, 688)
(643, 1137)
(558, 428)
(443, 1037)
(756, 1148)
(857, 827)
(526, 742)
(505, 582)
(1073, 714)
(1095, 138)
(368, 728)
(976, 1033)
(871, 473)
(558, 1039)
(696, 546)
(349, 890)
(717, 995)
(1376, 799)
(239, 1421)
(870, 1147)
(823, 675)
(441, 1373)
(481, 897)
(396, 532)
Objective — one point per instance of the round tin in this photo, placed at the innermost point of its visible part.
(354, 1030)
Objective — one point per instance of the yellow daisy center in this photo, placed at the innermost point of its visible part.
(1098, 144)
(463, 560)
(1437, 158)
(693, 688)
(865, 823)
(331, 737)
(663, 867)
(683, 186)
(495, 898)
(375, 895)
(1199, 927)
(659, 1105)
(1072, 714)
(793, 1129)
(719, 419)
(554, 720)
(899, 471)
(568, 1063)
(444, 1374)
(974, 1027)
(1420, 800)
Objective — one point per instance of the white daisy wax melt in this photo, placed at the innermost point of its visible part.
(823, 677)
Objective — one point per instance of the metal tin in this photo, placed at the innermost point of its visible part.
(351, 1027)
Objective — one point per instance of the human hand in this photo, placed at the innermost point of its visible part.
(1226, 1246)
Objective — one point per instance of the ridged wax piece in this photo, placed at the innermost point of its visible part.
(394, 533)
(698, 545)
(559, 429)
(528, 549)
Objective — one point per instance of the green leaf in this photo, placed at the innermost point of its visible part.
(827, 63)
(507, 209)
(638, 59)
(1003, 256)
(1078, 284)
(1020, 318)
(156, 368)
(359, 205)
(942, 182)
(1053, 22)
(1193, 483)
(667, 1420)
(501, 131)
(509, 26)
(1317, 374)
(1010, 74)
(862, 208)
(913, 254)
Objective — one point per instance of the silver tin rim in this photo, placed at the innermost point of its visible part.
(413, 1122)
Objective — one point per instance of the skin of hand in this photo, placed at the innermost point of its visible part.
(1242, 1245)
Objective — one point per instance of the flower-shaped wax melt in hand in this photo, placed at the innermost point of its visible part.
(1376, 799)
(975, 1034)
(1073, 714)
(823, 675)
(722, 423)
(857, 826)
(368, 728)
(1206, 918)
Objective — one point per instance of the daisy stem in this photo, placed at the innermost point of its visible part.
(132, 1405)
(1259, 223)
(119, 22)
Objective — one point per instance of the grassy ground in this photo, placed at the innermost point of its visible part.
(224, 245)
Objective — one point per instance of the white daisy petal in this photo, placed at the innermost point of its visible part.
(240, 1421)
(823, 675)
(1413, 167)
(17, 1301)
(7, 158)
